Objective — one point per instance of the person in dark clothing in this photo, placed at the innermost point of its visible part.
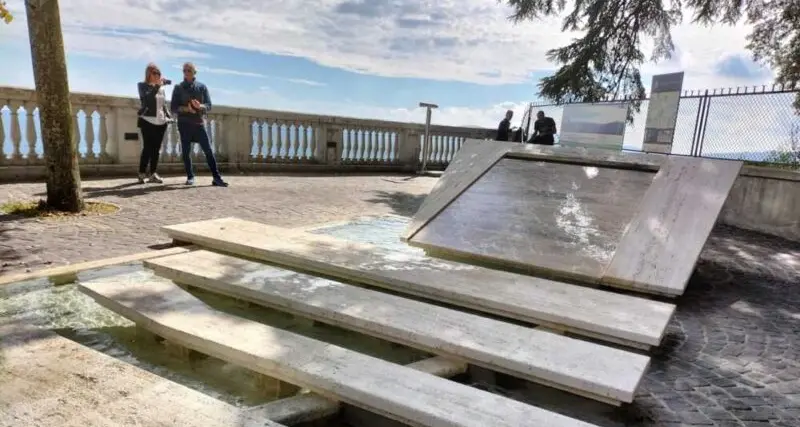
(544, 130)
(504, 129)
(191, 102)
(153, 119)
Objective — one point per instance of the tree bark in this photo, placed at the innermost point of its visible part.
(55, 111)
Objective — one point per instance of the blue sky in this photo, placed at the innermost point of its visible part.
(376, 58)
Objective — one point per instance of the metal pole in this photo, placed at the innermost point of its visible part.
(426, 142)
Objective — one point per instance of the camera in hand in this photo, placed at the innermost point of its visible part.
(167, 82)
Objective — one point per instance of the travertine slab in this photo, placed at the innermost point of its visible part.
(552, 219)
(660, 247)
(401, 393)
(476, 157)
(471, 161)
(306, 407)
(591, 312)
(590, 369)
(47, 380)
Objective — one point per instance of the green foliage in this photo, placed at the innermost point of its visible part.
(788, 155)
(605, 61)
(5, 15)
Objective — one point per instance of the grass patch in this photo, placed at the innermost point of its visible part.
(39, 209)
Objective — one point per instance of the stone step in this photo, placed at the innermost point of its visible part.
(307, 407)
(373, 384)
(581, 367)
(609, 316)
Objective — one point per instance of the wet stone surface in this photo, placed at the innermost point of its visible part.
(731, 357)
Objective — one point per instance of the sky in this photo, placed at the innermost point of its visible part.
(359, 58)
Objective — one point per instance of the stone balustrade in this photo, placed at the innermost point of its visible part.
(249, 139)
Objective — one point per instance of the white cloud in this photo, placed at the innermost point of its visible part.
(467, 40)
(488, 116)
(224, 71)
(305, 82)
(230, 72)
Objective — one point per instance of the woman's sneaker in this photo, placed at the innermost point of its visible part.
(141, 178)
(155, 179)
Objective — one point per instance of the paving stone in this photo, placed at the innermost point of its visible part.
(282, 200)
(695, 418)
(731, 354)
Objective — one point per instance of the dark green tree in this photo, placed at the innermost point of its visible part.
(605, 61)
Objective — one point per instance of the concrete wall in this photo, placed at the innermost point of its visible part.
(766, 200)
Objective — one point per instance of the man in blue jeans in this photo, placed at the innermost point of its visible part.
(191, 102)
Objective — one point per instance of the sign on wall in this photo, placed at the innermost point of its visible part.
(662, 112)
(593, 125)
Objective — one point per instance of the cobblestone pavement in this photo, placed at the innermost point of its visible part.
(731, 357)
(282, 200)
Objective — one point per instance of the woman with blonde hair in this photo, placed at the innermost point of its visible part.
(153, 118)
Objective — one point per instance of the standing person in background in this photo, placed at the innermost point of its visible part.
(544, 130)
(504, 129)
(191, 102)
(153, 119)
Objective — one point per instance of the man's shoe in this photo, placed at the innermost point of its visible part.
(141, 178)
(155, 179)
(219, 183)
(190, 181)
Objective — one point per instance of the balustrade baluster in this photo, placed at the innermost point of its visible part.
(347, 150)
(76, 131)
(296, 143)
(259, 140)
(16, 134)
(380, 153)
(356, 146)
(351, 145)
(379, 136)
(3, 153)
(221, 142)
(301, 142)
(366, 152)
(437, 149)
(103, 113)
(308, 138)
(212, 140)
(280, 141)
(387, 145)
(89, 134)
(364, 157)
(390, 146)
(177, 150)
(269, 140)
(361, 155)
(30, 133)
(396, 144)
(373, 145)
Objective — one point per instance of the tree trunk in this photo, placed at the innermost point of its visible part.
(55, 111)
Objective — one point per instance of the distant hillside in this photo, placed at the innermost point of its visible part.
(608, 128)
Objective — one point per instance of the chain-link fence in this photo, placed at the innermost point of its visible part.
(758, 125)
